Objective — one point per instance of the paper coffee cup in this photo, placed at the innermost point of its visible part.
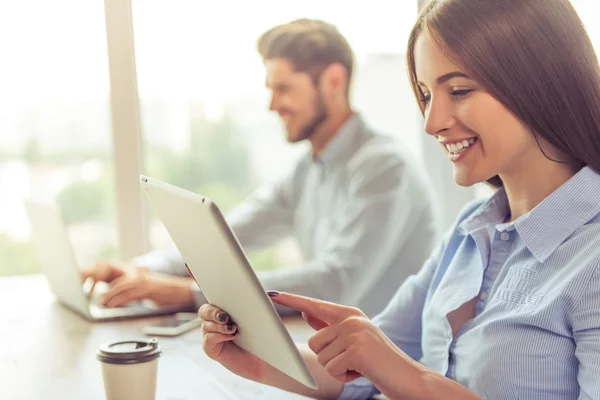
(129, 369)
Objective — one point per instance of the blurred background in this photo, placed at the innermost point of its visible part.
(203, 118)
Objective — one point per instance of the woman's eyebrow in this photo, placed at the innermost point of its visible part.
(447, 77)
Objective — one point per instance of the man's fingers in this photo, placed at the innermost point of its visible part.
(123, 282)
(85, 273)
(118, 287)
(91, 272)
(330, 313)
(208, 312)
(101, 271)
(91, 291)
(125, 297)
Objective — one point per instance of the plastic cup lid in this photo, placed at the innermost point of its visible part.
(129, 351)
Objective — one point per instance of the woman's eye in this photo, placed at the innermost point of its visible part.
(460, 93)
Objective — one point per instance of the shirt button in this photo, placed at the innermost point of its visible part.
(483, 295)
(505, 236)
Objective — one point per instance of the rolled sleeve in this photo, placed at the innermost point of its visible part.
(166, 261)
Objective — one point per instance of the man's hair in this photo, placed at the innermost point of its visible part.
(309, 45)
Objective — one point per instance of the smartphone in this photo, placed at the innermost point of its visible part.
(174, 326)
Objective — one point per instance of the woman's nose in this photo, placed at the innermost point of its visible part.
(438, 117)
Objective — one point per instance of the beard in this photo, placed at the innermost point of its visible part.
(311, 126)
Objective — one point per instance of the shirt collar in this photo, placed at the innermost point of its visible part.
(491, 212)
(552, 221)
(343, 139)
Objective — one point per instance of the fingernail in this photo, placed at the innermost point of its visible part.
(222, 317)
(272, 293)
(229, 326)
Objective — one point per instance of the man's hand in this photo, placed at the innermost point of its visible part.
(129, 283)
(105, 271)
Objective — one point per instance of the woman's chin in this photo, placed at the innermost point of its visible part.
(465, 178)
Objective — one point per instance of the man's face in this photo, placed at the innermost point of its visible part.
(295, 98)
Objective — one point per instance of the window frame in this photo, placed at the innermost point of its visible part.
(132, 236)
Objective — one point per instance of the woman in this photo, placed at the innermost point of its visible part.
(508, 306)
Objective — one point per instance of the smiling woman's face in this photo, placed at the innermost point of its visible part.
(481, 137)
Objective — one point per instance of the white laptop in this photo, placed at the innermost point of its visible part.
(57, 261)
(218, 264)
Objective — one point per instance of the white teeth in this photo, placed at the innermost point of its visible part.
(458, 147)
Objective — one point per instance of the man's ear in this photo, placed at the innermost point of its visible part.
(334, 80)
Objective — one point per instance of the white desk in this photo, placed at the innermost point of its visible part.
(48, 352)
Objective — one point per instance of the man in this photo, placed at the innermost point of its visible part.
(358, 205)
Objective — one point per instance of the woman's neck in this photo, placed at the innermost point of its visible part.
(527, 187)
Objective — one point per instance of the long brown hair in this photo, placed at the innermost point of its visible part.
(534, 56)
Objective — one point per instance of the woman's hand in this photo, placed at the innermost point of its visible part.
(219, 331)
(347, 343)
(349, 346)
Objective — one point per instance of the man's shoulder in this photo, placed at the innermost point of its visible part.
(379, 149)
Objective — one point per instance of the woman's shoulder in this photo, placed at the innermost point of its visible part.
(585, 243)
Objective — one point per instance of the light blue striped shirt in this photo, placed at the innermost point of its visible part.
(536, 329)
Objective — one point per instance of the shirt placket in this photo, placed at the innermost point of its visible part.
(499, 250)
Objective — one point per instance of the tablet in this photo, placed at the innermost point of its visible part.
(219, 266)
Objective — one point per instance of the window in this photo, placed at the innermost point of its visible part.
(203, 104)
(588, 11)
(203, 108)
(55, 124)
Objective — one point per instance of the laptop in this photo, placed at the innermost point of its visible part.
(58, 264)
